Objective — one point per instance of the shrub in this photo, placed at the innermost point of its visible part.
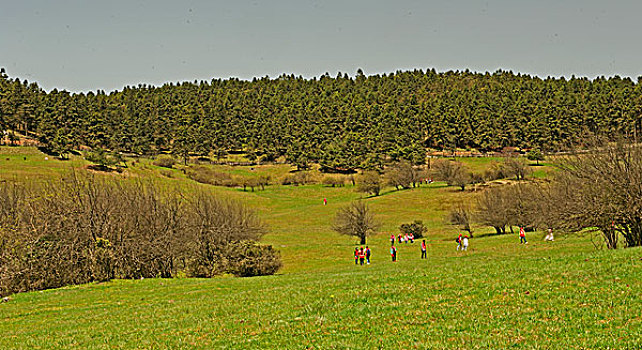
(417, 228)
(103, 158)
(247, 258)
(165, 161)
(210, 176)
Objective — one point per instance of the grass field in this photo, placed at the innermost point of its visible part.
(500, 294)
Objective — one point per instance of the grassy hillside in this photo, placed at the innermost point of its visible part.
(564, 294)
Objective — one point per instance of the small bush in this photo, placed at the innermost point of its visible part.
(247, 258)
(417, 228)
(210, 176)
(165, 162)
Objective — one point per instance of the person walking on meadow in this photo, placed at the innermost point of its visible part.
(356, 256)
(522, 235)
(393, 253)
(367, 255)
(458, 240)
(549, 235)
(465, 243)
(424, 255)
(392, 239)
(362, 256)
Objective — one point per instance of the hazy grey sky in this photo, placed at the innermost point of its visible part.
(87, 45)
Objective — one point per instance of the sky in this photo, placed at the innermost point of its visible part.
(86, 45)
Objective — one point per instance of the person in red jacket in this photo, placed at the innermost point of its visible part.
(392, 239)
(458, 240)
(522, 235)
(424, 255)
(362, 256)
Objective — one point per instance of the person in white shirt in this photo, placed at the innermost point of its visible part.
(465, 243)
(549, 235)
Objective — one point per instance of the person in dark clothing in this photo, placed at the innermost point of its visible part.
(362, 256)
(393, 253)
(424, 255)
(368, 255)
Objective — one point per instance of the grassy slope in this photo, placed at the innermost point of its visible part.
(500, 294)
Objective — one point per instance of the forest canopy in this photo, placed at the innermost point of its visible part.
(340, 122)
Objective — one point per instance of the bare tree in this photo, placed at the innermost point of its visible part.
(461, 216)
(493, 208)
(454, 173)
(404, 175)
(601, 189)
(369, 182)
(517, 167)
(357, 220)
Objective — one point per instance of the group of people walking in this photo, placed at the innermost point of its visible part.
(361, 255)
(406, 238)
(462, 242)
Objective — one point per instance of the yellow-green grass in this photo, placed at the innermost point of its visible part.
(500, 294)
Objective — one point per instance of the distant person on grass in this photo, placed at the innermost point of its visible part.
(424, 255)
(393, 253)
(549, 235)
(399, 238)
(465, 243)
(356, 256)
(362, 256)
(368, 255)
(522, 235)
(392, 239)
(411, 237)
(458, 240)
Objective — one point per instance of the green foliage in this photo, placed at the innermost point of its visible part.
(341, 123)
(535, 154)
(103, 158)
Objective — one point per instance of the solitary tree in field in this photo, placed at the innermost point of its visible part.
(535, 154)
(357, 220)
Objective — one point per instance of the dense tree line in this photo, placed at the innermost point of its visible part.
(340, 122)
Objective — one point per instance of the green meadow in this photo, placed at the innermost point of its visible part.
(566, 294)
